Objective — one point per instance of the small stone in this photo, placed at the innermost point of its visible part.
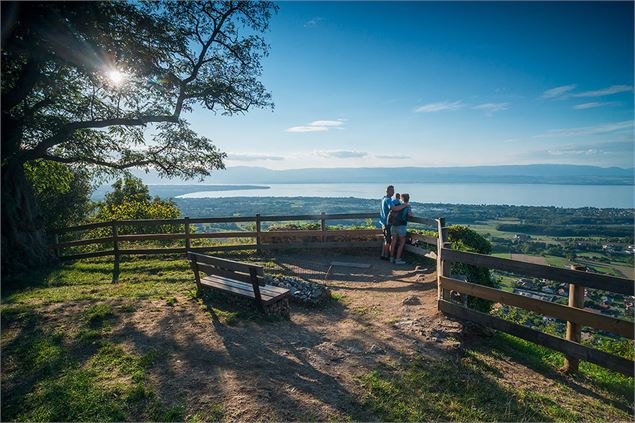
(411, 300)
(375, 349)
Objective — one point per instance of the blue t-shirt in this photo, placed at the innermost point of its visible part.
(404, 215)
(386, 203)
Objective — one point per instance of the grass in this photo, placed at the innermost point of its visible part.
(474, 387)
(76, 370)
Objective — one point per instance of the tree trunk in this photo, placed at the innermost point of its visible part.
(24, 241)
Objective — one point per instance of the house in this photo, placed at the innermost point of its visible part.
(521, 237)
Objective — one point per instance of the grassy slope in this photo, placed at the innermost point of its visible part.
(60, 363)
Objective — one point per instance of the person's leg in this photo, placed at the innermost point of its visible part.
(402, 243)
(393, 245)
(387, 240)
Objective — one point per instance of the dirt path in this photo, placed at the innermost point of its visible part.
(303, 369)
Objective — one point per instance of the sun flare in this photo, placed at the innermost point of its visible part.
(115, 76)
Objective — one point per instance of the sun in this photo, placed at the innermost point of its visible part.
(115, 76)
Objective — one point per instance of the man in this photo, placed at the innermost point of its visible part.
(387, 203)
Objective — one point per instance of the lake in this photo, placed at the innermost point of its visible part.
(570, 196)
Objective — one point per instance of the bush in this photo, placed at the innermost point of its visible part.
(465, 239)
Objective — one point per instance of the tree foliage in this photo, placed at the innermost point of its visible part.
(64, 191)
(130, 200)
(82, 81)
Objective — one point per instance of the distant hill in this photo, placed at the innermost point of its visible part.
(529, 174)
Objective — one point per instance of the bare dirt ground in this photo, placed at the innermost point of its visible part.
(302, 369)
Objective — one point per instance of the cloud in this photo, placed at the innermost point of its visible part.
(558, 91)
(587, 130)
(613, 153)
(318, 126)
(341, 154)
(613, 89)
(308, 128)
(441, 106)
(251, 157)
(593, 105)
(313, 22)
(490, 108)
(392, 156)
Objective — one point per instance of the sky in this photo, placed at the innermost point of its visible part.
(367, 84)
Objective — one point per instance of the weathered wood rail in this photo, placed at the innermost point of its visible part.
(263, 239)
(574, 313)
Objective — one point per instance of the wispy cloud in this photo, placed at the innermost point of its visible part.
(318, 126)
(313, 22)
(611, 148)
(491, 108)
(441, 106)
(587, 130)
(613, 89)
(239, 157)
(341, 154)
(593, 105)
(392, 156)
(558, 91)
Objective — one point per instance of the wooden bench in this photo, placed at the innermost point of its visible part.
(240, 279)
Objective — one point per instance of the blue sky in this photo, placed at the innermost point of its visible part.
(439, 84)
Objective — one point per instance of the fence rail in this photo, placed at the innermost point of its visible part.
(574, 313)
(264, 240)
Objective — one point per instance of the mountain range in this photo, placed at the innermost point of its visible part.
(517, 174)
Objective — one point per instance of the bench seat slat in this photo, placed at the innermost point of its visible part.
(268, 293)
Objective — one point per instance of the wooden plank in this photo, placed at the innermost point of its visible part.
(423, 220)
(82, 242)
(228, 219)
(240, 276)
(238, 234)
(318, 245)
(82, 227)
(589, 280)
(243, 289)
(152, 251)
(582, 352)
(149, 222)
(611, 324)
(88, 255)
(432, 240)
(149, 237)
(344, 216)
(224, 248)
(339, 216)
(268, 291)
(223, 263)
(420, 251)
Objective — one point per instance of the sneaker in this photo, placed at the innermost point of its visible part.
(399, 261)
(383, 258)
(392, 260)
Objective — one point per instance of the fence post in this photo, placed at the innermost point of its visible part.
(187, 234)
(443, 266)
(574, 330)
(323, 226)
(56, 240)
(115, 239)
(258, 230)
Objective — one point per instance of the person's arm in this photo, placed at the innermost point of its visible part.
(398, 207)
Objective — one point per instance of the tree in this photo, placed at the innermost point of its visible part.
(104, 85)
(65, 192)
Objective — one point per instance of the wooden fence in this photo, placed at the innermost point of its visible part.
(264, 240)
(574, 313)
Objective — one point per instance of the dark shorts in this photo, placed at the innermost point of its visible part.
(387, 234)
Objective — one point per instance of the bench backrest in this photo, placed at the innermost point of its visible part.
(223, 267)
